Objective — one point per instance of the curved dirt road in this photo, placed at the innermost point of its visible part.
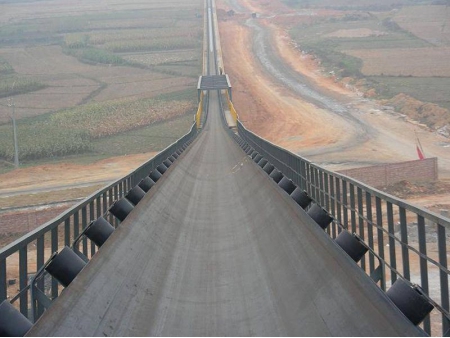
(280, 95)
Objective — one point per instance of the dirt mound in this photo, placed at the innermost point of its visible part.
(406, 189)
(429, 114)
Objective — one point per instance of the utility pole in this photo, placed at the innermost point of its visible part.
(13, 117)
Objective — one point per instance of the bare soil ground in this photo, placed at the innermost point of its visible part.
(12, 11)
(430, 23)
(54, 176)
(267, 106)
(29, 197)
(421, 61)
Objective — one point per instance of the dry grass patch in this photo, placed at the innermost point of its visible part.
(354, 33)
(404, 61)
(431, 23)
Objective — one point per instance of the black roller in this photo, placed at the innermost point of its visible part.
(99, 231)
(276, 175)
(249, 151)
(12, 322)
(135, 195)
(351, 245)
(257, 158)
(268, 168)
(410, 300)
(254, 154)
(167, 163)
(65, 266)
(121, 209)
(155, 175)
(301, 197)
(287, 185)
(161, 168)
(146, 184)
(262, 162)
(175, 155)
(320, 216)
(179, 151)
(171, 158)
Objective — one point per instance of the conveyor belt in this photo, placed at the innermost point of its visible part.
(216, 248)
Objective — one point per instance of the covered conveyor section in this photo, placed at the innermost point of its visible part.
(214, 82)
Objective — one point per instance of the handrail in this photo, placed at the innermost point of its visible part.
(61, 230)
(378, 193)
(376, 217)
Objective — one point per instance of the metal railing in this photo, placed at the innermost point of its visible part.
(25, 256)
(410, 242)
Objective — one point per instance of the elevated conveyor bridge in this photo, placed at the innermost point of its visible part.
(232, 236)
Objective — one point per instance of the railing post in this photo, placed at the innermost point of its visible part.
(404, 238)
(391, 230)
(92, 218)
(23, 279)
(442, 247)
(76, 225)
(353, 208)
(67, 231)
(83, 226)
(39, 264)
(380, 234)
(423, 266)
(3, 280)
(344, 203)
(370, 229)
(359, 195)
(54, 239)
(337, 182)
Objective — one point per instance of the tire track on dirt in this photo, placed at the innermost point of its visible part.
(271, 62)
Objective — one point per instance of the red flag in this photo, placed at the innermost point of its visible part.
(421, 156)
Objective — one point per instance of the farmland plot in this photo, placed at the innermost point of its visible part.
(421, 61)
(386, 58)
(431, 23)
(60, 56)
(72, 131)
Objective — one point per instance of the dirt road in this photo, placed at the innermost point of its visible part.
(284, 96)
(52, 177)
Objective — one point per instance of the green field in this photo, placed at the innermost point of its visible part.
(152, 138)
(74, 131)
(11, 85)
